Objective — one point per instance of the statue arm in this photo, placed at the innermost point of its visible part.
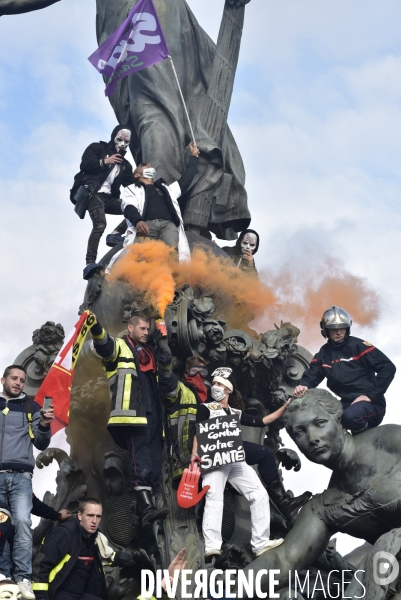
(303, 544)
(16, 7)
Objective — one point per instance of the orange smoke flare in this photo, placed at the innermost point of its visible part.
(150, 267)
(146, 266)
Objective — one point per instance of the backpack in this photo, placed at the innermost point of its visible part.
(76, 185)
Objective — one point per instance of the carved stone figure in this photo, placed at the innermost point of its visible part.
(149, 103)
(362, 499)
(38, 358)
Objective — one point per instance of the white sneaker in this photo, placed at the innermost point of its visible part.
(270, 545)
(212, 553)
(2, 577)
(25, 587)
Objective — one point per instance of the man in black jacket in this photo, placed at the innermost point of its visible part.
(69, 565)
(356, 371)
(104, 170)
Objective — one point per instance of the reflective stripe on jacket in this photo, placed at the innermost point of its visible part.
(127, 407)
(181, 410)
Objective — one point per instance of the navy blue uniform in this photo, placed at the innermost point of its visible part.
(353, 368)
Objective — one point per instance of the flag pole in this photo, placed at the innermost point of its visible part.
(182, 98)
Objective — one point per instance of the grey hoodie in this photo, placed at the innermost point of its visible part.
(16, 446)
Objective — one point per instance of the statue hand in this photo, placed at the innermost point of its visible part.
(288, 458)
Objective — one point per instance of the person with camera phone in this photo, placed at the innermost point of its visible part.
(103, 171)
(16, 467)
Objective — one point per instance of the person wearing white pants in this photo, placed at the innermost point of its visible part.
(240, 475)
(245, 480)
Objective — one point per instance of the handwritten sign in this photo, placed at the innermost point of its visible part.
(219, 442)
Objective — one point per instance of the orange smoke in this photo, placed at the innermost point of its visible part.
(150, 267)
(146, 266)
(299, 296)
(304, 296)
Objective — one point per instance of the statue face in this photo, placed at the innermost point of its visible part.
(249, 242)
(10, 591)
(317, 434)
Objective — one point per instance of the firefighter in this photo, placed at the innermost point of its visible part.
(356, 371)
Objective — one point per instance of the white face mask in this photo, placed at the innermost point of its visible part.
(218, 393)
(249, 242)
(122, 139)
(149, 173)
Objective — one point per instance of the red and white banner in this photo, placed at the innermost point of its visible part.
(58, 381)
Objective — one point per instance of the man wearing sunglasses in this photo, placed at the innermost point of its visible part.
(181, 409)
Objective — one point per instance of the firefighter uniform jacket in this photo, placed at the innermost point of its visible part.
(352, 368)
(133, 393)
(54, 564)
(57, 558)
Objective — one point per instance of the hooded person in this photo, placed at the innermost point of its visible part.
(242, 254)
(104, 170)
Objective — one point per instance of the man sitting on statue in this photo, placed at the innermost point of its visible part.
(185, 400)
(355, 369)
(242, 254)
(132, 370)
(152, 209)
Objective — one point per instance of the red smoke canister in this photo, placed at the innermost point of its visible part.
(161, 326)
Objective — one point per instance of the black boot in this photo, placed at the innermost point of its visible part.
(147, 509)
(287, 505)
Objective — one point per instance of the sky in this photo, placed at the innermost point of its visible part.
(316, 113)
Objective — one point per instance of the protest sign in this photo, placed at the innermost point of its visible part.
(219, 442)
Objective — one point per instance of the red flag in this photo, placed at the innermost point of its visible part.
(58, 381)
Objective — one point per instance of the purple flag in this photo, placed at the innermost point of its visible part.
(138, 43)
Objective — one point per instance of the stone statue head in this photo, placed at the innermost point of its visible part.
(9, 590)
(314, 423)
(49, 333)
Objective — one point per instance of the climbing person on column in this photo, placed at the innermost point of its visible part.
(356, 371)
(103, 171)
(132, 369)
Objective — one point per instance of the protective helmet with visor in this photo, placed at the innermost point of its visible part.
(335, 318)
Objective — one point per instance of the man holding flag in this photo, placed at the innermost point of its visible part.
(22, 425)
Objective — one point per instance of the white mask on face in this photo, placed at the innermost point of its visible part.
(149, 173)
(122, 139)
(249, 242)
(218, 393)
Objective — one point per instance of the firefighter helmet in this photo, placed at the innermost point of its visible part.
(335, 318)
